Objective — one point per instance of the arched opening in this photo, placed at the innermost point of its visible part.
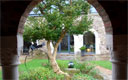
(99, 8)
(89, 42)
(21, 29)
(119, 60)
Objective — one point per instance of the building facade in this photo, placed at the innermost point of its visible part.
(73, 43)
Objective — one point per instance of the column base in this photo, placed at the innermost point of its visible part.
(10, 72)
(119, 70)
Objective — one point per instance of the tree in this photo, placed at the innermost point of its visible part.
(58, 17)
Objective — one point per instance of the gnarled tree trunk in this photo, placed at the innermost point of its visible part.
(52, 57)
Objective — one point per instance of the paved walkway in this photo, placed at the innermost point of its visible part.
(106, 73)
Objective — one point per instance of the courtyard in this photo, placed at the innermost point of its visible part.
(78, 44)
(41, 70)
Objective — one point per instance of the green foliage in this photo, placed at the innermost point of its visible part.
(32, 32)
(0, 74)
(82, 76)
(41, 73)
(38, 69)
(57, 16)
(84, 67)
(63, 64)
(83, 48)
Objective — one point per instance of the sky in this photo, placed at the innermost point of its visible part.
(93, 10)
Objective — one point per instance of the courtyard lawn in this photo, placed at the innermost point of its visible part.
(105, 64)
(0, 74)
(43, 69)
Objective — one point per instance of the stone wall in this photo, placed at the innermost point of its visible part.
(100, 36)
(99, 31)
(99, 27)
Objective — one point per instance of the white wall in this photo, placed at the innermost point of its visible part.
(78, 42)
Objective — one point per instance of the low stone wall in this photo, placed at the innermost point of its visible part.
(87, 57)
(102, 57)
(66, 56)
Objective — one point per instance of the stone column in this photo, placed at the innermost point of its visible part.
(119, 57)
(9, 57)
(78, 43)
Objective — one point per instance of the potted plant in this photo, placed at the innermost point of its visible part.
(83, 49)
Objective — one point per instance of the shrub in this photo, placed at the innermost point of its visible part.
(81, 76)
(84, 67)
(41, 73)
(83, 48)
(42, 70)
(63, 64)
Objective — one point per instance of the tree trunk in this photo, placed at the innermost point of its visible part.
(54, 64)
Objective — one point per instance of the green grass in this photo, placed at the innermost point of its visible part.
(32, 64)
(40, 64)
(45, 72)
(0, 74)
(105, 64)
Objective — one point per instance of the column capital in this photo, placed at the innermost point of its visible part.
(117, 57)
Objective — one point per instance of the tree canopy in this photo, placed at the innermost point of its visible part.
(56, 18)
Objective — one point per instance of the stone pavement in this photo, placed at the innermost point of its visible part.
(106, 73)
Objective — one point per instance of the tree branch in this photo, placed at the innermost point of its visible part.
(41, 10)
(58, 42)
(49, 49)
(71, 2)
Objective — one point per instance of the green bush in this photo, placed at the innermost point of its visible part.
(82, 76)
(41, 73)
(83, 48)
(63, 64)
(42, 70)
(84, 67)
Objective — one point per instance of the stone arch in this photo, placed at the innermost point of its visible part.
(103, 14)
(97, 6)
(25, 15)
(97, 41)
(106, 22)
(119, 60)
(95, 3)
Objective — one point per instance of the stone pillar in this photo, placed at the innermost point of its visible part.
(78, 43)
(119, 57)
(10, 57)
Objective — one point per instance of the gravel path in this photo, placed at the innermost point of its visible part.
(106, 73)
